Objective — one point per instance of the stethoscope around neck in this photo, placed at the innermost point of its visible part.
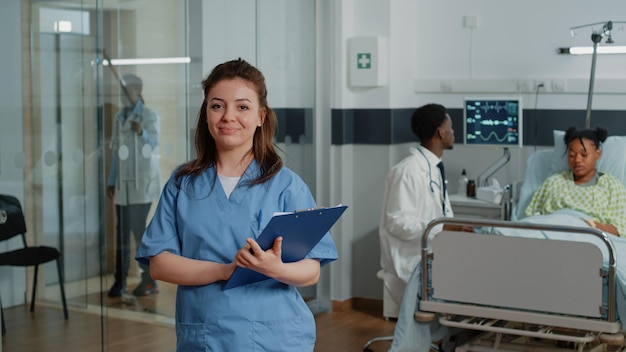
(431, 182)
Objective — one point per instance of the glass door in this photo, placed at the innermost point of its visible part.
(63, 180)
(286, 55)
(64, 140)
(145, 136)
(58, 143)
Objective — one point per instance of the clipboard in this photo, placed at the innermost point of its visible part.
(301, 231)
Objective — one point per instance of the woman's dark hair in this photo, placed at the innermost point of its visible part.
(426, 120)
(263, 148)
(597, 136)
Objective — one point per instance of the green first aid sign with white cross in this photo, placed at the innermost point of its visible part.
(364, 61)
(367, 58)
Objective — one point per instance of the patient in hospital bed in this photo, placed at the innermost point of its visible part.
(583, 188)
(586, 190)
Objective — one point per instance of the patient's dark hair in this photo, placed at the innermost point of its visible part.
(597, 136)
(426, 120)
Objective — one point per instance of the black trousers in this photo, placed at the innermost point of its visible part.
(130, 219)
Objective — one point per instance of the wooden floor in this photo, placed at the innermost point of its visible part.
(45, 330)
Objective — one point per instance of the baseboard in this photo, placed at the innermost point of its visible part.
(357, 303)
(342, 306)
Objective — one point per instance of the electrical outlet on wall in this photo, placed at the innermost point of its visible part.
(470, 21)
(558, 85)
(541, 86)
(524, 85)
(445, 85)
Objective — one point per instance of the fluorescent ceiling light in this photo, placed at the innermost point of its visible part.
(61, 21)
(151, 61)
(588, 50)
(62, 26)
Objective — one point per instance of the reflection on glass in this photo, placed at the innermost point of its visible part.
(69, 133)
(134, 180)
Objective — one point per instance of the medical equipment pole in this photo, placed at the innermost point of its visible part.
(483, 178)
(507, 202)
(595, 38)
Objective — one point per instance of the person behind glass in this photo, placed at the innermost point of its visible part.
(210, 212)
(583, 188)
(415, 194)
(133, 181)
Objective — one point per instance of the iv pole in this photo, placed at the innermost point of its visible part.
(596, 37)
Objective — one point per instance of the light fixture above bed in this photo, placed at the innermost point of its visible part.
(588, 50)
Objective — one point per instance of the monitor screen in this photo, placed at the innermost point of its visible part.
(494, 122)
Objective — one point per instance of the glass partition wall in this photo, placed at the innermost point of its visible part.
(65, 61)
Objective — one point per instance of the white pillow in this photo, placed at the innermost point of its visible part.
(612, 161)
(537, 170)
(559, 157)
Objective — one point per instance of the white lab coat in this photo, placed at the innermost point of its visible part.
(412, 198)
(135, 162)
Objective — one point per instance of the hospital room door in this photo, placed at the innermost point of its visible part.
(56, 133)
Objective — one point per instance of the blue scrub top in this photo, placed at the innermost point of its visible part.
(196, 220)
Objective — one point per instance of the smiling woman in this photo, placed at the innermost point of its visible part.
(208, 210)
(233, 116)
(235, 120)
(56, 137)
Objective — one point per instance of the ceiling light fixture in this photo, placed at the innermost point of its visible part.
(148, 61)
(62, 26)
(588, 50)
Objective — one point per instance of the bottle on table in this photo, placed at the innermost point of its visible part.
(463, 183)
(471, 188)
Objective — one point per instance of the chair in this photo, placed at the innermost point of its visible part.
(12, 224)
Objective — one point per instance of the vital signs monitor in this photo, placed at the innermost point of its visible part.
(492, 121)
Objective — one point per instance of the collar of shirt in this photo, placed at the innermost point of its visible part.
(435, 176)
(430, 156)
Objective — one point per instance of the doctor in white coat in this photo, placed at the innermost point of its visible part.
(134, 181)
(415, 194)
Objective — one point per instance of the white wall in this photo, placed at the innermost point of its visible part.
(512, 48)
(268, 35)
(228, 37)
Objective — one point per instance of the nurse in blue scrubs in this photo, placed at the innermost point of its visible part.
(211, 210)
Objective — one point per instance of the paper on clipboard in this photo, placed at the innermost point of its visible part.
(301, 231)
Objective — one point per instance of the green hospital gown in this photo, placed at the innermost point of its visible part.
(604, 201)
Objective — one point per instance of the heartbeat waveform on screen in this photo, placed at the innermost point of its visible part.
(497, 108)
(485, 108)
(488, 122)
(489, 137)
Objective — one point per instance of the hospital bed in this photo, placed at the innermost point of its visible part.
(522, 285)
(521, 291)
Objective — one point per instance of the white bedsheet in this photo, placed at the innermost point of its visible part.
(412, 336)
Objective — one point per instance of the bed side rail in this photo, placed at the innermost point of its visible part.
(611, 270)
